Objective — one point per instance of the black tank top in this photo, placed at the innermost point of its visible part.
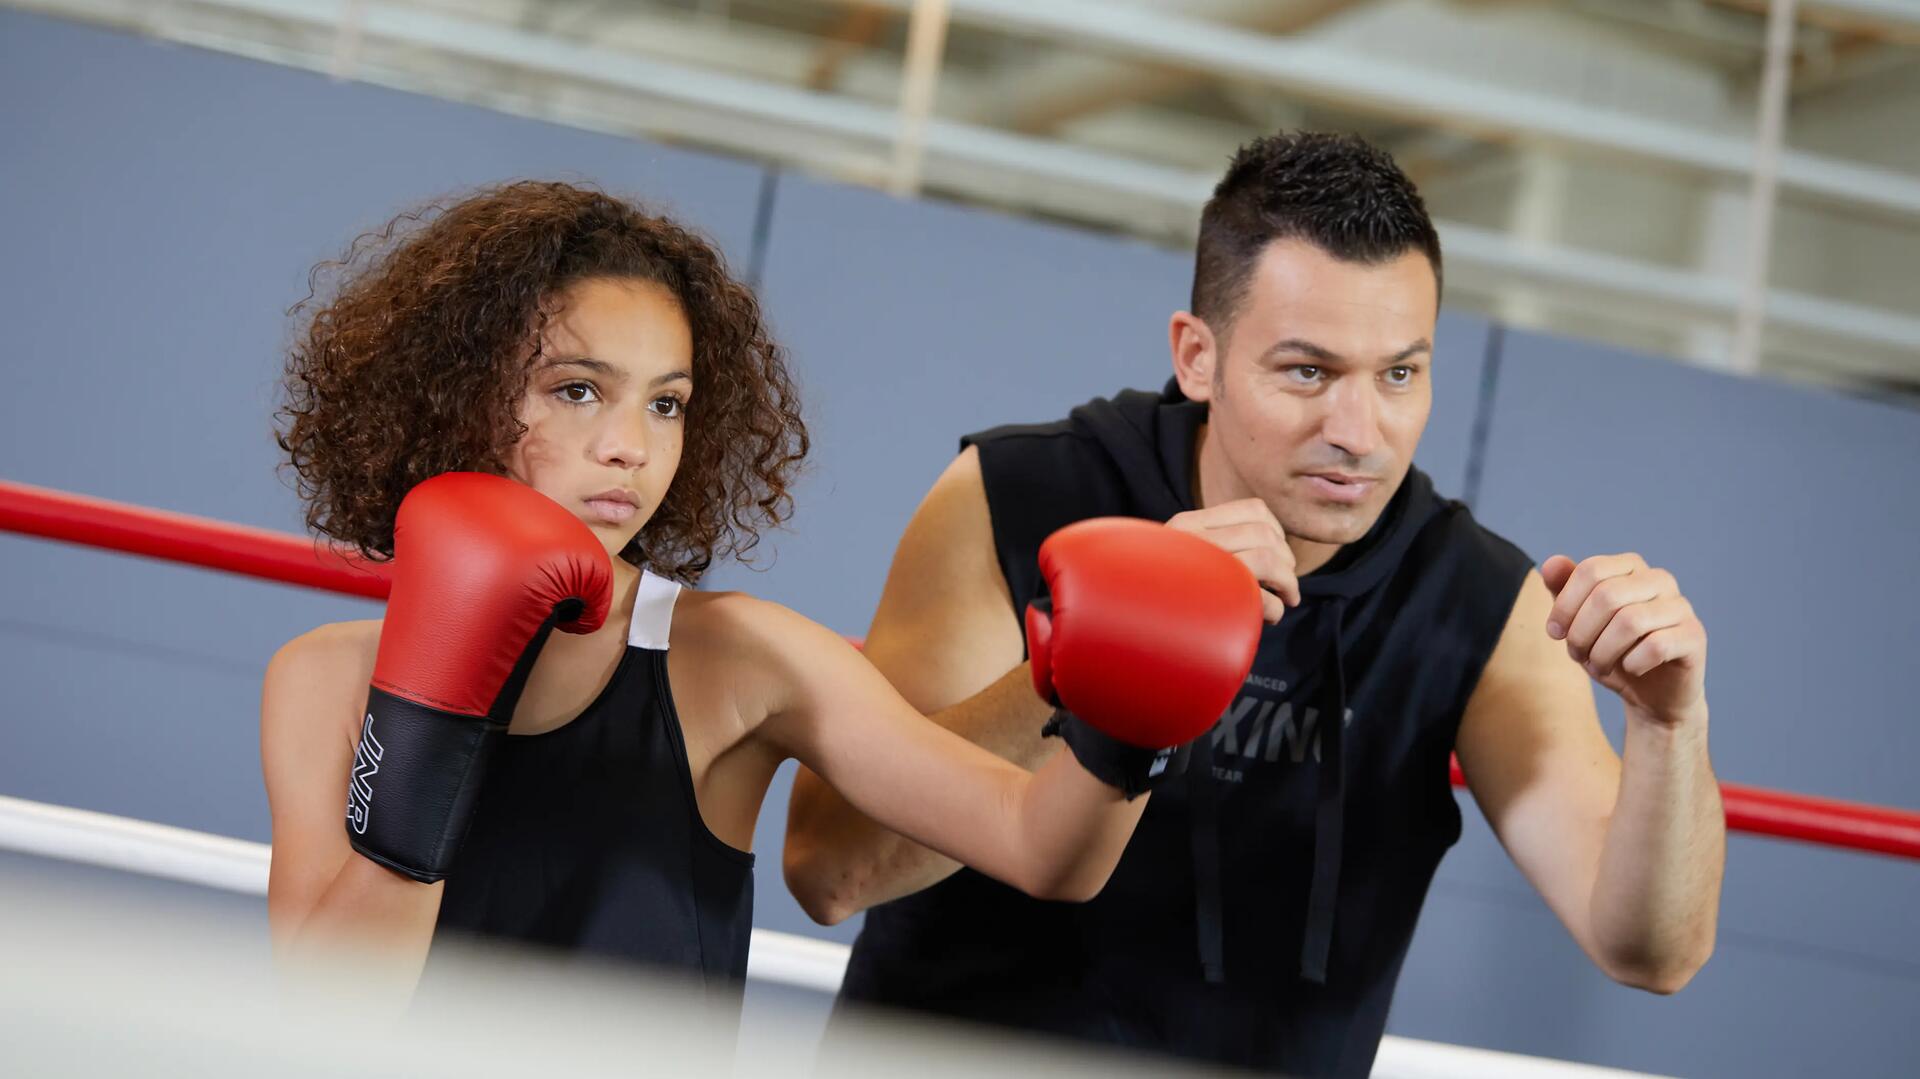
(1261, 913)
(587, 838)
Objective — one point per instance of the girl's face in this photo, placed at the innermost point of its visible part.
(605, 408)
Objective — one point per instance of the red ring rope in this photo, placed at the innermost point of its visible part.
(277, 556)
(198, 541)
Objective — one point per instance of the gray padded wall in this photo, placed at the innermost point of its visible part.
(1788, 516)
(162, 207)
(912, 323)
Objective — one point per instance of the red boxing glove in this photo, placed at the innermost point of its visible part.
(1147, 636)
(484, 569)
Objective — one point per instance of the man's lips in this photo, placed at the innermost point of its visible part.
(1341, 486)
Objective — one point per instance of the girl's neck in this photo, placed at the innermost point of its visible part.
(626, 583)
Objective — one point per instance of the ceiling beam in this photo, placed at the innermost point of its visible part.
(1073, 85)
(618, 90)
(1457, 102)
(1024, 164)
(856, 32)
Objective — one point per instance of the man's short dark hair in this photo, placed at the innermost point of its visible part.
(1336, 192)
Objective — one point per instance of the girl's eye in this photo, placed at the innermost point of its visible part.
(670, 407)
(578, 393)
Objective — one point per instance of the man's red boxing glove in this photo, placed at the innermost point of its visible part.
(484, 569)
(1146, 637)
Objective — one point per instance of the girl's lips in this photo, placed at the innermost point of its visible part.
(612, 511)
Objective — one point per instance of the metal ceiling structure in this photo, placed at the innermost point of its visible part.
(1610, 168)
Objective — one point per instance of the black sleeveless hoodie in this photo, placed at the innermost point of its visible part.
(1263, 909)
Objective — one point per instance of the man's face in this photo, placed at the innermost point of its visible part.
(1320, 390)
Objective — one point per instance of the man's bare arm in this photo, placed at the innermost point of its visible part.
(946, 635)
(1629, 857)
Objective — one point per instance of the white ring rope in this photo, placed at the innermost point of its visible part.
(240, 865)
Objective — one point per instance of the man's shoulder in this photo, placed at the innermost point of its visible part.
(1476, 565)
(1036, 459)
(1043, 476)
(1072, 429)
(1064, 431)
(1475, 539)
(1040, 477)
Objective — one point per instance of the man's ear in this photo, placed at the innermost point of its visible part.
(1195, 355)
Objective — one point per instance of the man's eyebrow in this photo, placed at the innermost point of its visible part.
(1422, 345)
(1304, 348)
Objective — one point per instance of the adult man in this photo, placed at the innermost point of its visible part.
(1264, 906)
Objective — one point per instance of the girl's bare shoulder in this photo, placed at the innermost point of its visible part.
(324, 671)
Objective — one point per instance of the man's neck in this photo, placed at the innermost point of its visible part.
(1215, 482)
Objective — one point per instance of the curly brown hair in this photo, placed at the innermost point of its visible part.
(416, 361)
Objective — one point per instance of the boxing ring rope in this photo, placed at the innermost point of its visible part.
(240, 866)
(196, 541)
(289, 559)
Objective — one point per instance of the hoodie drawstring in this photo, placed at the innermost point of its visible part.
(1330, 812)
(1204, 815)
(1329, 826)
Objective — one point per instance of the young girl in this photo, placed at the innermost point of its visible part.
(603, 358)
